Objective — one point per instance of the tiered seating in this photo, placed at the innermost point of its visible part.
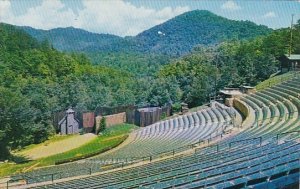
(231, 167)
(174, 133)
(253, 158)
(58, 172)
(287, 120)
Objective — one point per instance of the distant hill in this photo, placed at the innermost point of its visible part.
(74, 39)
(175, 37)
(181, 33)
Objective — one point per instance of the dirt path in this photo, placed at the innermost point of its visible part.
(57, 147)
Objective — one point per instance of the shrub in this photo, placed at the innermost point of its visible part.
(163, 115)
(176, 107)
(102, 124)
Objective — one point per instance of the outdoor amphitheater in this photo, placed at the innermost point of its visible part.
(253, 144)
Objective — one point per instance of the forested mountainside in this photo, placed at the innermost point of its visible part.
(144, 54)
(77, 40)
(174, 37)
(138, 64)
(182, 33)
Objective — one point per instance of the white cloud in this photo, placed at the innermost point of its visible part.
(230, 5)
(270, 14)
(45, 16)
(115, 17)
(123, 18)
(4, 9)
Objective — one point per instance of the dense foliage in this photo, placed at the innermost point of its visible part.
(201, 74)
(138, 64)
(279, 41)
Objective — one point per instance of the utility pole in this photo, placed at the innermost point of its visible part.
(216, 77)
(0, 21)
(291, 37)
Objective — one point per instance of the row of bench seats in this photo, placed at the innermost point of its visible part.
(175, 133)
(227, 168)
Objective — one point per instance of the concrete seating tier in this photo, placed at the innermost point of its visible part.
(174, 133)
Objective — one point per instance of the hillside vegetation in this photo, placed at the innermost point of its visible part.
(138, 64)
(275, 80)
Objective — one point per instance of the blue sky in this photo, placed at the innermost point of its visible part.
(129, 17)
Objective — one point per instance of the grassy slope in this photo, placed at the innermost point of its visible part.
(110, 137)
(275, 80)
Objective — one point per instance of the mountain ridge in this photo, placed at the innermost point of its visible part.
(198, 27)
(175, 37)
(64, 38)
